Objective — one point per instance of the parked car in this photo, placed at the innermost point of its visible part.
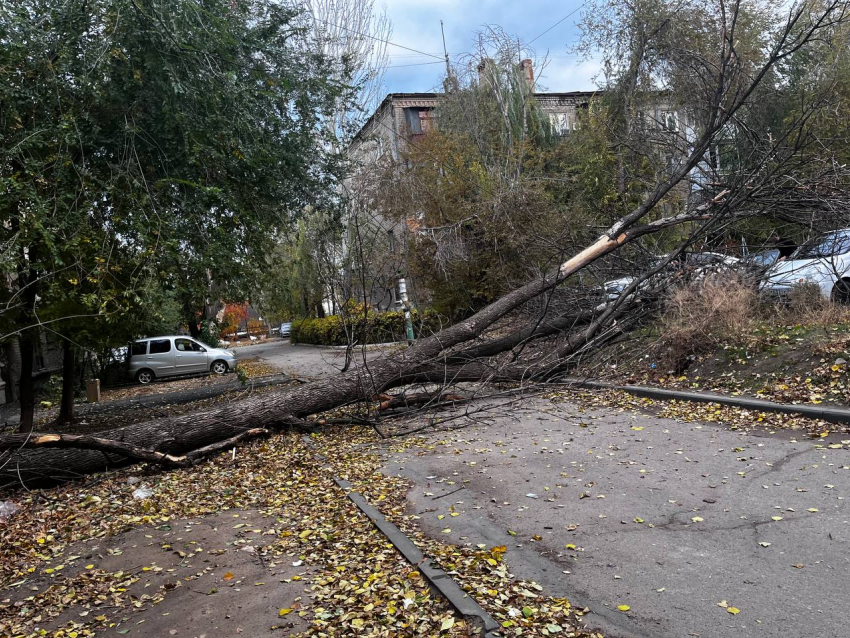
(159, 357)
(284, 330)
(693, 265)
(824, 261)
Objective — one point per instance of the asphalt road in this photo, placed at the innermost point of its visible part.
(671, 519)
(304, 362)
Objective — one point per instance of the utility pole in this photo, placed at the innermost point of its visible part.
(445, 50)
(402, 293)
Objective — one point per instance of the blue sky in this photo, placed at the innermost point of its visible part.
(417, 25)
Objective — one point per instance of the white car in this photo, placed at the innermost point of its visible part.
(158, 357)
(699, 265)
(824, 261)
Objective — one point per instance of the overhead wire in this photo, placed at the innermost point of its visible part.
(571, 13)
(377, 39)
(398, 66)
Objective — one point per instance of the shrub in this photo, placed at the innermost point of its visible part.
(383, 327)
(210, 333)
(702, 314)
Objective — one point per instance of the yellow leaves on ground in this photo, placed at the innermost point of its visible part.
(732, 610)
(253, 368)
(360, 585)
(624, 607)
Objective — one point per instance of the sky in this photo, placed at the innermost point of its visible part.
(417, 25)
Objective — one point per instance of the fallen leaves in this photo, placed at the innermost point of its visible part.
(360, 585)
(253, 368)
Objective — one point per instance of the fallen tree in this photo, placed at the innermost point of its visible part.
(440, 358)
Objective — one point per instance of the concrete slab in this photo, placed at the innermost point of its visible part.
(672, 519)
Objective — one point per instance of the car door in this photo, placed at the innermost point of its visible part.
(161, 357)
(190, 356)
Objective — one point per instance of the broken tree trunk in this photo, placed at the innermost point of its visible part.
(729, 85)
(182, 434)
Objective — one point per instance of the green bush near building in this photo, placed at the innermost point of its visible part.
(383, 327)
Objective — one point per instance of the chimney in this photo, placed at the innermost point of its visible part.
(527, 69)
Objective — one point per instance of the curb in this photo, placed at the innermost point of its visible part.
(831, 415)
(466, 606)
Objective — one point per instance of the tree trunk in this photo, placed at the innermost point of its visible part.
(194, 327)
(181, 434)
(26, 386)
(66, 408)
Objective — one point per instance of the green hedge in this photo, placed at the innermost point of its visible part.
(383, 327)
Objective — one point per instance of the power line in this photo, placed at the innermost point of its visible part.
(398, 66)
(573, 12)
(367, 35)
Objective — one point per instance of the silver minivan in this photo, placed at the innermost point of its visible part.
(157, 357)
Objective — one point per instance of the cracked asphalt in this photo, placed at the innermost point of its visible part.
(679, 521)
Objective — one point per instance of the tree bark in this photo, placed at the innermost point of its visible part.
(81, 441)
(194, 327)
(66, 407)
(26, 385)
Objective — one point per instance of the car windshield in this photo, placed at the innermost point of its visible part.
(765, 258)
(825, 246)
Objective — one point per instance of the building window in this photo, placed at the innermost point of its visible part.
(669, 121)
(391, 239)
(418, 120)
(560, 123)
(379, 148)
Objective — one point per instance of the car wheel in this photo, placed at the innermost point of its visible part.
(219, 367)
(841, 292)
(145, 376)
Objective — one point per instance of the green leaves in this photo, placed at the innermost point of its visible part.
(147, 153)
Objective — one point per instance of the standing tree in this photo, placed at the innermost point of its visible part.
(155, 141)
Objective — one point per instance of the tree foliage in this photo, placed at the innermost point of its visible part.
(150, 146)
(163, 140)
